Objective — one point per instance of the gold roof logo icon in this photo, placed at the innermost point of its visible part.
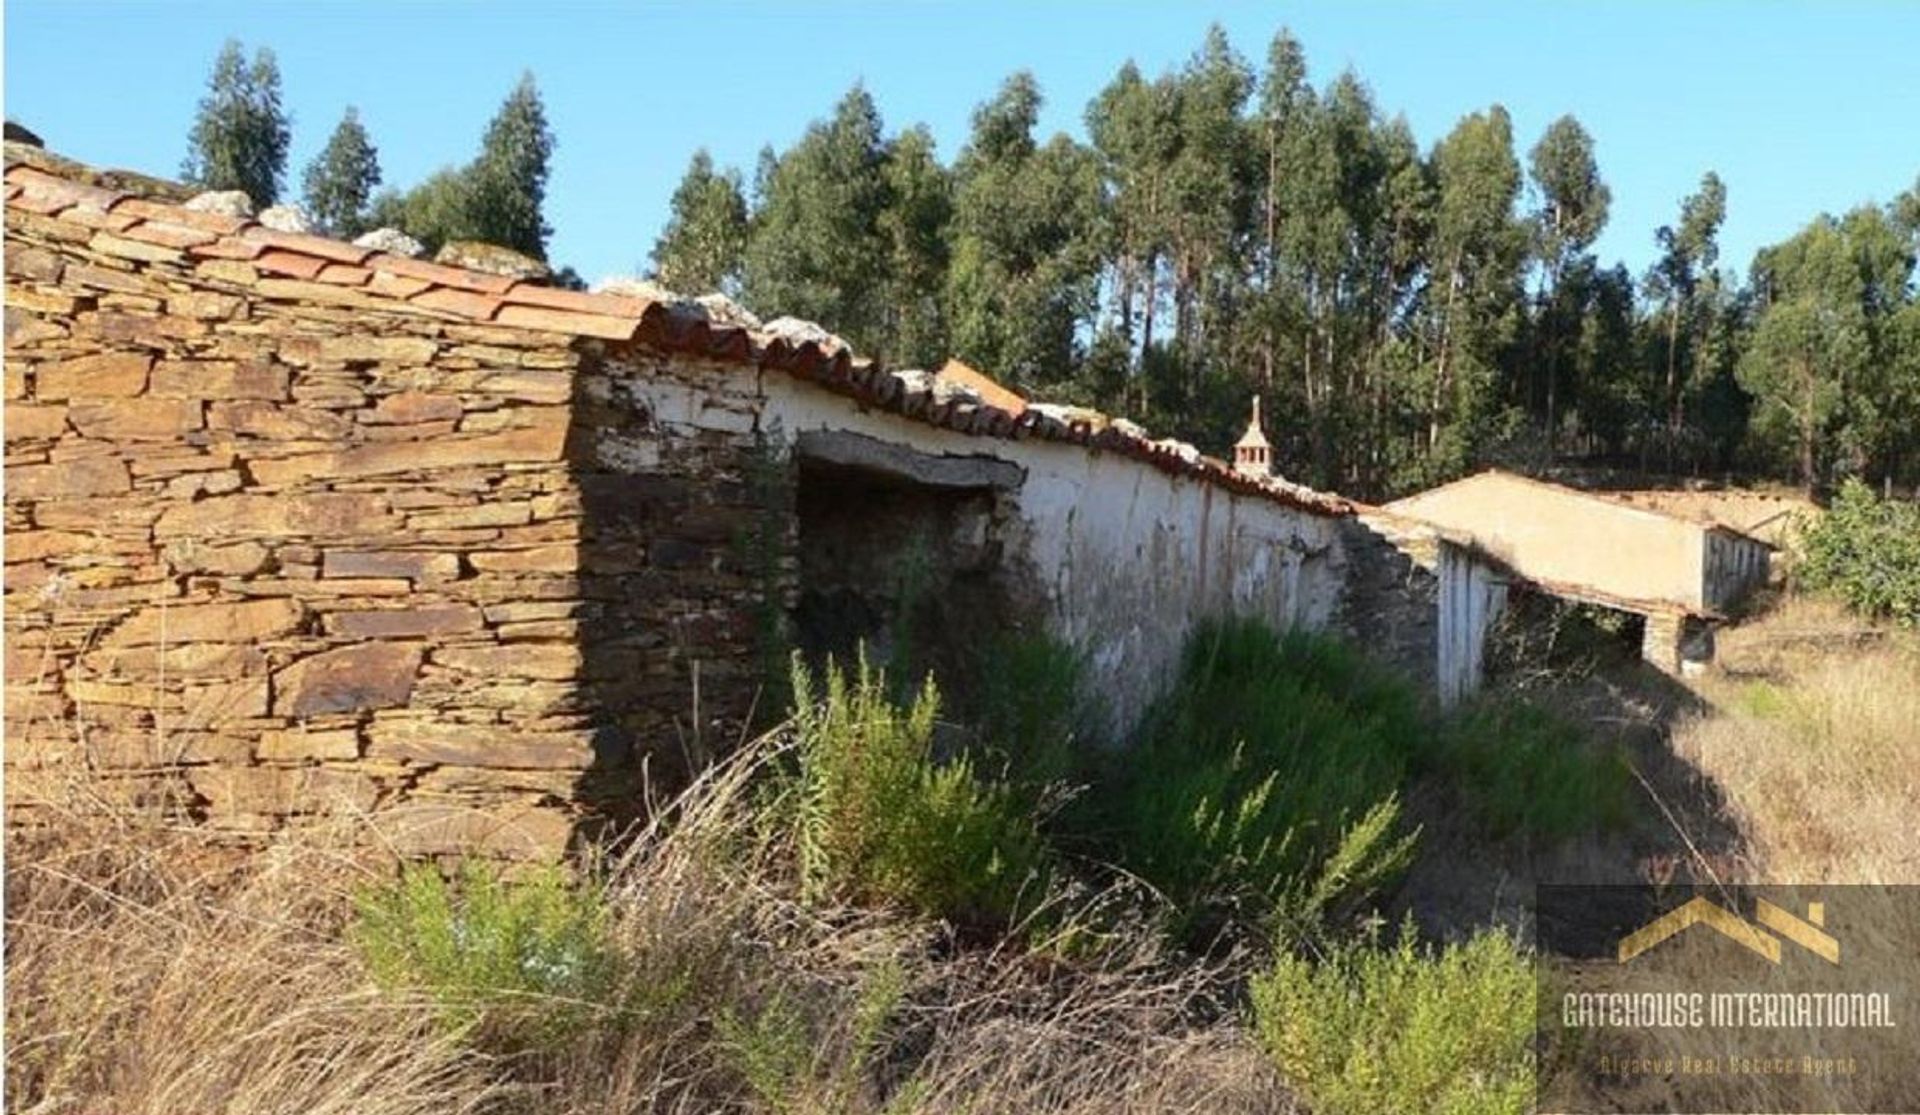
(1808, 933)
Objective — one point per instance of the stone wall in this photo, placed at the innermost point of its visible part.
(276, 549)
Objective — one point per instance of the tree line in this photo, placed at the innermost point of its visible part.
(1409, 312)
(241, 134)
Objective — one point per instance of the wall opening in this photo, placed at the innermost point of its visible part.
(902, 553)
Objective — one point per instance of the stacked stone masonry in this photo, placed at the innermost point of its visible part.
(275, 556)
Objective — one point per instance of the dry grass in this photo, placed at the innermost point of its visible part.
(151, 971)
(1813, 736)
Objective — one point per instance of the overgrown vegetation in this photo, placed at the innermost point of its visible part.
(877, 819)
(1525, 769)
(869, 909)
(512, 965)
(1866, 551)
(1369, 1027)
(1265, 780)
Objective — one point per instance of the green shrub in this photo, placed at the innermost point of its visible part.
(1264, 782)
(878, 820)
(1371, 1028)
(1029, 711)
(512, 964)
(1866, 551)
(1524, 769)
(791, 1067)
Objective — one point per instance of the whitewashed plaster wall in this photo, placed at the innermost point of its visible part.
(1128, 558)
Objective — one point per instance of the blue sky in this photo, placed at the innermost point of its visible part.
(1800, 108)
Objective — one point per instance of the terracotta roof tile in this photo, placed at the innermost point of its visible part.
(332, 250)
(442, 274)
(282, 262)
(168, 233)
(345, 274)
(217, 223)
(395, 286)
(228, 247)
(59, 192)
(464, 303)
(563, 321)
(89, 217)
(553, 298)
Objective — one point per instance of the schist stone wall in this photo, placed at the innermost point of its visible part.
(290, 534)
(268, 556)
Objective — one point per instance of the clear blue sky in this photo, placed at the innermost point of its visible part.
(1799, 107)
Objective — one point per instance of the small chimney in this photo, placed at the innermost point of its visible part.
(1253, 454)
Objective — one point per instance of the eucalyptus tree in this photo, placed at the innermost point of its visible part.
(917, 224)
(1026, 254)
(240, 132)
(702, 246)
(1571, 204)
(818, 249)
(1476, 258)
(339, 183)
(1688, 253)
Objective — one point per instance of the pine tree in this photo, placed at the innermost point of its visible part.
(240, 134)
(507, 184)
(706, 235)
(339, 182)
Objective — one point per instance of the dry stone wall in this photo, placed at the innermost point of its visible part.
(276, 549)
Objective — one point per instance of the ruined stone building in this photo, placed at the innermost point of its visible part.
(297, 527)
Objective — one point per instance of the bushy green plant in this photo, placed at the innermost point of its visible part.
(1265, 780)
(1370, 1027)
(1524, 769)
(1866, 551)
(878, 819)
(1029, 710)
(786, 1064)
(511, 963)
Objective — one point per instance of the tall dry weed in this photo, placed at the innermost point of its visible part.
(1814, 738)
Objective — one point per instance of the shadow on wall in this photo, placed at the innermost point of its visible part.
(683, 574)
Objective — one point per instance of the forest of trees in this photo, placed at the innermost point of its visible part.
(1409, 313)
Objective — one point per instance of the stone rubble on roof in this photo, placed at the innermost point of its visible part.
(799, 331)
(632, 286)
(947, 391)
(1063, 412)
(942, 389)
(286, 218)
(725, 311)
(915, 380)
(227, 203)
(1180, 449)
(1130, 428)
(391, 240)
(493, 259)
